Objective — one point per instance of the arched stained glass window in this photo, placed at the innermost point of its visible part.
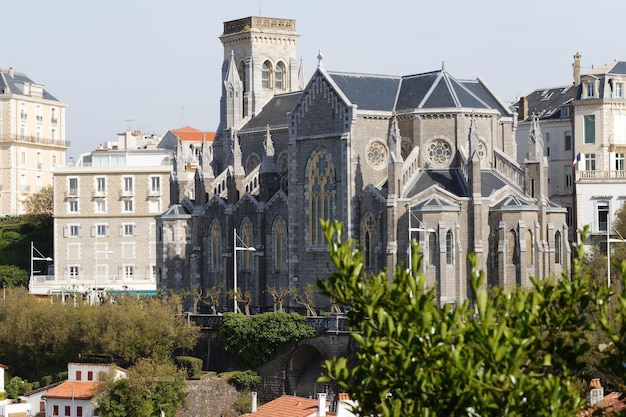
(432, 248)
(529, 248)
(449, 248)
(321, 189)
(280, 244)
(216, 246)
(512, 248)
(246, 239)
(558, 258)
(368, 228)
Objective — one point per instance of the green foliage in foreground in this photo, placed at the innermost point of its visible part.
(254, 340)
(512, 353)
(148, 388)
(243, 380)
(47, 334)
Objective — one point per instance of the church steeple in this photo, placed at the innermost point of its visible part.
(233, 96)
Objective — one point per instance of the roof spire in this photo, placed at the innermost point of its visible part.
(443, 65)
(301, 76)
(320, 57)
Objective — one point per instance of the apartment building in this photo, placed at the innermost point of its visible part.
(600, 148)
(32, 139)
(104, 227)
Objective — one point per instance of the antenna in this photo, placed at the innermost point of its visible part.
(260, 8)
(182, 111)
(129, 121)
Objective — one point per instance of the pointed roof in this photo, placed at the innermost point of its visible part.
(12, 82)
(232, 75)
(301, 75)
(515, 203)
(189, 133)
(77, 390)
(274, 112)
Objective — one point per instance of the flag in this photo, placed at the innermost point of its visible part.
(576, 160)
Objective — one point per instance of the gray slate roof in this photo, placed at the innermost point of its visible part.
(274, 113)
(547, 103)
(15, 84)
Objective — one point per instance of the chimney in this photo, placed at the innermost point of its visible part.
(576, 66)
(596, 392)
(11, 72)
(253, 401)
(321, 404)
(522, 110)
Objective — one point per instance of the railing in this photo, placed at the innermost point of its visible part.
(252, 180)
(156, 192)
(71, 192)
(99, 193)
(410, 167)
(601, 175)
(508, 168)
(127, 193)
(323, 325)
(34, 139)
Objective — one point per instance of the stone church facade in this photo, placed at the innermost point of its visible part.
(423, 156)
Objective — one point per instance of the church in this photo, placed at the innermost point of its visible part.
(394, 158)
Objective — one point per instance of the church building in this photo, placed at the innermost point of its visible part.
(424, 156)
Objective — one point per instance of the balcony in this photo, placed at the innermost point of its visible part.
(35, 139)
(601, 176)
(71, 193)
(99, 194)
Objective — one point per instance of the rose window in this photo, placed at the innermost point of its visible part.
(439, 152)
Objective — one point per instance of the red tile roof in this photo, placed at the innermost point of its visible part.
(611, 402)
(71, 389)
(191, 134)
(287, 406)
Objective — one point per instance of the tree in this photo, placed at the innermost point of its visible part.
(254, 340)
(13, 276)
(304, 297)
(213, 295)
(512, 354)
(148, 388)
(41, 204)
(278, 296)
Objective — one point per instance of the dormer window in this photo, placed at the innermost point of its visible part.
(618, 90)
(590, 90)
(564, 112)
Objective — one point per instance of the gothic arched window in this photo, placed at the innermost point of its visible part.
(266, 71)
(279, 76)
(280, 244)
(216, 246)
(368, 230)
(449, 248)
(557, 248)
(246, 239)
(432, 248)
(512, 248)
(529, 248)
(321, 190)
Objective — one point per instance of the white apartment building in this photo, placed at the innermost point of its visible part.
(104, 226)
(600, 148)
(32, 139)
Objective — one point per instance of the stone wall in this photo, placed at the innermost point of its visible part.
(210, 397)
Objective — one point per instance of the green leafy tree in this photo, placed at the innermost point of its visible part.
(18, 386)
(510, 353)
(13, 276)
(148, 388)
(253, 340)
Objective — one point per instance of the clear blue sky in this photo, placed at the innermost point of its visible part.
(155, 65)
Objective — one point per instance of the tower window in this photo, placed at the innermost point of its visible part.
(279, 76)
(266, 70)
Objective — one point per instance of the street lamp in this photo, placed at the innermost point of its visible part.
(608, 251)
(33, 258)
(421, 227)
(235, 249)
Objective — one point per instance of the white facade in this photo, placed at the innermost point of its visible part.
(104, 227)
(32, 139)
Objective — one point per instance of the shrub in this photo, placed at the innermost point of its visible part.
(243, 380)
(191, 365)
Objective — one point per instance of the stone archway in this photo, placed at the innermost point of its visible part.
(304, 367)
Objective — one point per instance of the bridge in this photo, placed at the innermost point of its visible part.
(293, 372)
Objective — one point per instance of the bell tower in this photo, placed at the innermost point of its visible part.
(263, 50)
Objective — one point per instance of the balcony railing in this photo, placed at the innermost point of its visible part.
(71, 192)
(154, 192)
(34, 139)
(99, 193)
(616, 176)
(127, 193)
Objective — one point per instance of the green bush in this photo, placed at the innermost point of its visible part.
(61, 376)
(46, 380)
(243, 380)
(3, 396)
(254, 340)
(191, 365)
(11, 236)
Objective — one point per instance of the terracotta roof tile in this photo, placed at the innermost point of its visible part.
(189, 133)
(288, 406)
(71, 389)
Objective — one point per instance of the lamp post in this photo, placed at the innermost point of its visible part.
(235, 249)
(608, 251)
(34, 258)
(421, 227)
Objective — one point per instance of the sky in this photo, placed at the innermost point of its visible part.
(155, 65)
